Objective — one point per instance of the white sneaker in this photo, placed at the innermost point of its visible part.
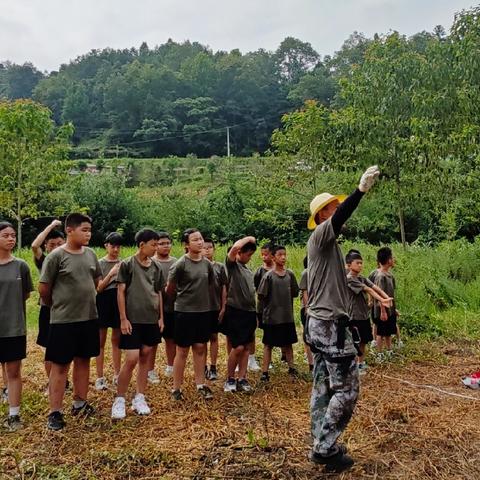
(139, 405)
(101, 384)
(253, 365)
(153, 377)
(230, 385)
(118, 408)
(169, 371)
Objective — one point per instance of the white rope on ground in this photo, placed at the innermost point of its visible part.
(429, 387)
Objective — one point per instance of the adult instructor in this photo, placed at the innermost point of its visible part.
(335, 374)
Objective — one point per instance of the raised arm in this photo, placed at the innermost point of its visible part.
(237, 246)
(40, 240)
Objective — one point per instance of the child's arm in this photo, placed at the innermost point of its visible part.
(171, 288)
(380, 291)
(161, 322)
(305, 299)
(237, 246)
(40, 240)
(125, 325)
(45, 291)
(105, 282)
(385, 301)
(223, 304)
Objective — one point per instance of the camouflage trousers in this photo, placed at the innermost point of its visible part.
(334, 395)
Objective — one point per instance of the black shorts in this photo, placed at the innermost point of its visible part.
(214, 326)
(192, 327)
(387, 328)
(69, 340)
(279, 335)
(364, 329)
(43, 326)
(260, 320)
(13, 349)
(107, 306)
(143, 334)
(169, 321)
(240, 326)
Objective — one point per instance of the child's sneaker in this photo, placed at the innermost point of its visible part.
(265, 377)
(139, 405)
(230, 385)
(253, 365)
(4, 395)
(85, 410)
(205, 392)
(212, 374)
(118, 408)
(101, 384)
(243, 386)
(153, 377)
(362, 368)
(55, 421)
(471, 382)
(177, 395)
(13, 423)
(169, 371)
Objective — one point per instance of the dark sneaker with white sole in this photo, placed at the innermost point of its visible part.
(205, 392)
(86, 410)
(13, 423)
(55, 421)
(336, 463)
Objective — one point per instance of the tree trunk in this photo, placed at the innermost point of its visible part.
(401, 215)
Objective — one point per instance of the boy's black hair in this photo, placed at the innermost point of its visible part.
(53, 234)
(74, 220)
(114, 238)
(276, 248)
(248, 247)
(4, 225)
(305, 261)
(164, 235)
(267, 246)
(186, 234)
(384, 254)
(145, 235)
(209, 240)
(352, 255)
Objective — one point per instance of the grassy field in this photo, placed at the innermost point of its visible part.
(402, 428)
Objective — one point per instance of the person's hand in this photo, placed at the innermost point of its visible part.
(125, 326)
(368, 178)
(387, 302)
(161, 324)
(56, 223)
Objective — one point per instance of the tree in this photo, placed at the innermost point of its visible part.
(295, 58)
(33, 159)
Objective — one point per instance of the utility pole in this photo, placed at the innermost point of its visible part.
(228, 141)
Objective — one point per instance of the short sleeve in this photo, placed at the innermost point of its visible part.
(303, 281)
(323, 235)
(294, 285)
(123, 272)
(50, 269)
(26, 279)
(355, 284)
(172, 272)
(264, 287)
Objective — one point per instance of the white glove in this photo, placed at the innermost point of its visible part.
(368, 178)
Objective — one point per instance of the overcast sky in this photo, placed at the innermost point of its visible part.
(51, 32)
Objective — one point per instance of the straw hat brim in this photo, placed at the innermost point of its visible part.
(311, 224)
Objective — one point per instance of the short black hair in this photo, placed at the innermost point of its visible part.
(353, 255)
(54, 234)
(276, 248)
(114, 238)
(4, 225)
(248, 247)
(209, 240)
(74, 220)
(267, 246)
(384, 254)
(145, 235)
(164, 235)
(305, 261)
(186, 234)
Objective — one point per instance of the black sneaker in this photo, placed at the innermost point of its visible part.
(336, 463)
(55, 421)
(212, 374)
(13, 423)
(86, 410)
(243, 386)
(205, 392)
(265, 377)
(177, 395)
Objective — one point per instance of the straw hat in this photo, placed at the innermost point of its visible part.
(319, 202)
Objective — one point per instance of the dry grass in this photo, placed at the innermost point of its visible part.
(398, 431)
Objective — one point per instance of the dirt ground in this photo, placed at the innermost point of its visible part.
(399, 430)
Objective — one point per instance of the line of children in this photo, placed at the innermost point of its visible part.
(277, 290)
(140, 302)
(107, 307)
(15, 287)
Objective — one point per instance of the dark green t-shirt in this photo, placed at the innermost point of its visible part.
(106, 266)
(220, 280)
(15, 285)
(257, 278)
(168, 302)
(277, 293)
(72, 279)
(357, 298)
(194, 284)
(143, 286)
(385, 281)
(241, 289)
